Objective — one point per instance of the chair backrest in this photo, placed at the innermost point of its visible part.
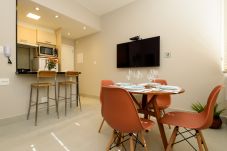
(163, 100)
(104, 83)
(118, 110)
(209, 108)
(161, 81)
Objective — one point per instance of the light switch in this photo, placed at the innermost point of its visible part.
(4, 81)
(167, 54)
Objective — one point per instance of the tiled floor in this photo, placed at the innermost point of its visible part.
(78, 131)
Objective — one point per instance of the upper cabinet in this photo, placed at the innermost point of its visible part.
(46, 37)
(26, 35)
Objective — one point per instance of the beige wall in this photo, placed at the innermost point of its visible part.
(188, 29)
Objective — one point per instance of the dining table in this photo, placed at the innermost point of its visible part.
(149, 94)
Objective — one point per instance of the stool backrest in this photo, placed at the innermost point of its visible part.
(46, 74)
(71, 73)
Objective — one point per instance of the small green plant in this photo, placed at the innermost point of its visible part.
(198, 107)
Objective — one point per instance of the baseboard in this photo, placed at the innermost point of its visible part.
(13, 119)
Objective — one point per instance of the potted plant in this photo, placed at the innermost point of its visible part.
(217, 122)
(51, 63)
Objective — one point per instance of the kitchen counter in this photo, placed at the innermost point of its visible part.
(35, 72)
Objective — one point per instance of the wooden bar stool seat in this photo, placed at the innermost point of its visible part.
(43, 85)
(71, 79)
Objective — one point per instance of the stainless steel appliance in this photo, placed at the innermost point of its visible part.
(45, 50)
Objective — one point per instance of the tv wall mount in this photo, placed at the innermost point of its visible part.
(135, 38)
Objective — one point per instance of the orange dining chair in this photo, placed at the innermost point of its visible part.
(163, 101)
(120, 113)
(104, 83)
(192, 122)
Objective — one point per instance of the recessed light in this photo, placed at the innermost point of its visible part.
(33, 16)
(84, 28)
(68, 33)
(56, 16)
(37, 8)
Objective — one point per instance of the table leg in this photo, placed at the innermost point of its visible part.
(144, 105)
(77, 90)
(160, 125)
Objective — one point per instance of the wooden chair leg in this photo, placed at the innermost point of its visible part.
(111, 141)
(163, 111)
(30, 102)
(65, 99)
(131, 143)
(101, 125)
(48, 88)
(143, 140)
(70, 95)
(36, 106)
(203, 141)
(172, 139)
(199, 140)
(56, 99)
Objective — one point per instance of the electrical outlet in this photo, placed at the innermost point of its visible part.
(4, 81)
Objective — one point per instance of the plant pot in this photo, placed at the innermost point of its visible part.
(217, 122)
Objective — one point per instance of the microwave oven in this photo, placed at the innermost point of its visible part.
(47, 51)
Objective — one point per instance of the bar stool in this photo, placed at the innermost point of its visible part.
(71, 78)
(38, 85)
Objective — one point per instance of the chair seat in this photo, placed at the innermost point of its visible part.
(183, 119)
(66, 82)
(147, 124)
(44, 84)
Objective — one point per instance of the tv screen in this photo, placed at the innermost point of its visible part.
(139, 53)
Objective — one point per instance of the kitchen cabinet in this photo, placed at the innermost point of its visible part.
(46, 37)
(26, 35)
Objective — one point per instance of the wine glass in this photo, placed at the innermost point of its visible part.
(155, 75)
(150, 76)
(138, 75)
(129, 75)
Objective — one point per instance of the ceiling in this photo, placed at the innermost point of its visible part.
(101, 7)
(67, 25)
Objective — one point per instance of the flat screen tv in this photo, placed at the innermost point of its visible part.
(139, 53)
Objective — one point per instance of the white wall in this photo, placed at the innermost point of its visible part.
(190, 30)
(187, 28)
(14, 97)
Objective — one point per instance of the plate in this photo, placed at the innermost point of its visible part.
(168, 87)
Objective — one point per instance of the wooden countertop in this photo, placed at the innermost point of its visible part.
(35, 72)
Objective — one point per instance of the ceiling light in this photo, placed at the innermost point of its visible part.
(33, 16)
(37, 8)
(56, 16)
(68, 34)
(84, 28)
